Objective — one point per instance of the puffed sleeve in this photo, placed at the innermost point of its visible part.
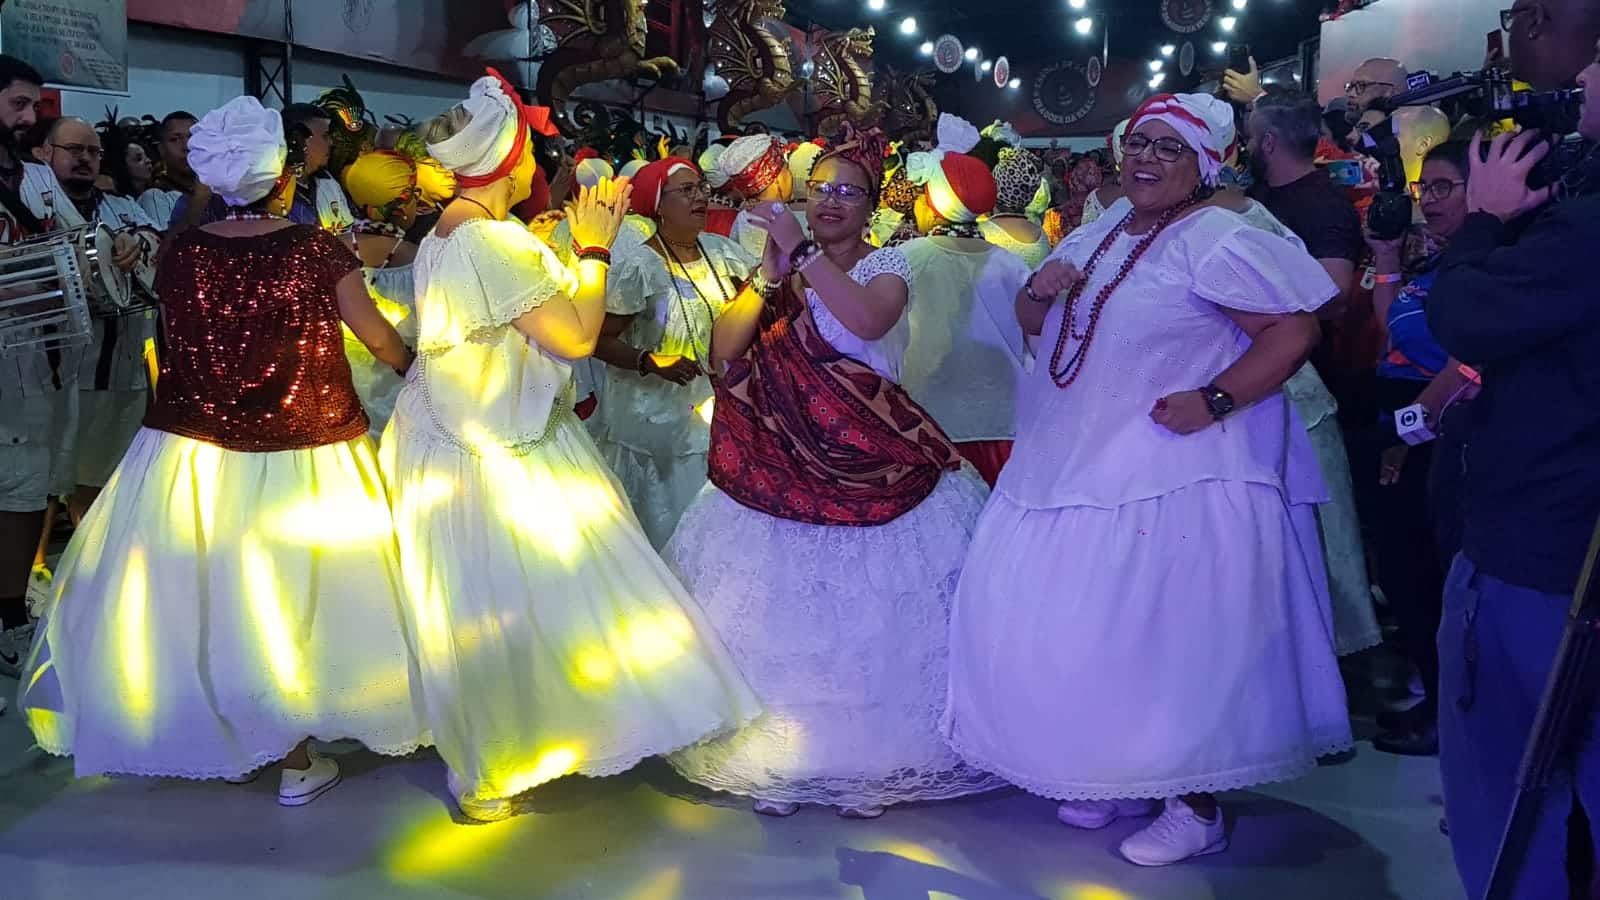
(731, 257)
(636, 275)
(1251, 270)
(487, 275)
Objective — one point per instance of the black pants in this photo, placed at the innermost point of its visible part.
(1399, 523)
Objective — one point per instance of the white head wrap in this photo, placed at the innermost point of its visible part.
(708, 165)
(483, 145)
(238, 151)
(956, 135)
(589, 172)
(632, 167)
(1116, 141)
(1003, 132)
(743, 154)
(1191, 116)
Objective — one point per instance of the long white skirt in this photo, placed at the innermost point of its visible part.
(843, 634)
(553, 639)
(660, 487)
(1168, 646)
(215, 608)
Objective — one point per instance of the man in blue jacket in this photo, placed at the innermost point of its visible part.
(1517, 295)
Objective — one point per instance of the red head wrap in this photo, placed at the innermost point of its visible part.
(650, 180)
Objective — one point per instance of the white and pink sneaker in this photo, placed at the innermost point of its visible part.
(1178, 834)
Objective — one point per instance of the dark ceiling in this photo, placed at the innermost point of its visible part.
(1030, 31)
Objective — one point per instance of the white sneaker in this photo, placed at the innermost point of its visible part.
(475, 808)
(1093, 814)
(41, 585)
(301, 786)
(14, 646)
(1178, 834)
(860, 812)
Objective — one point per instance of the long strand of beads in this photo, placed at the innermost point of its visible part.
(1064, 376)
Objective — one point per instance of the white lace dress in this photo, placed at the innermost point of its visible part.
(1145, 614)
(552, 637)
(653, 433)
(841, 631)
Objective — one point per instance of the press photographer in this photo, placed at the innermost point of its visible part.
(1515, 296)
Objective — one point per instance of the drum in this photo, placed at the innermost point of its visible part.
(43, 301)
(113, 292)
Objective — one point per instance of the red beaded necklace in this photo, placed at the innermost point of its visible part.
(1064, 376)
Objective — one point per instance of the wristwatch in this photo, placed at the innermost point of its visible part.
(1219, 401)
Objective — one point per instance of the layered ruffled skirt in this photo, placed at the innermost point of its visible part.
(843, 633)
(215, 608)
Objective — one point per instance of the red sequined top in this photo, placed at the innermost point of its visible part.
(254, 355)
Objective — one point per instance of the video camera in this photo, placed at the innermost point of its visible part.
(1486, 95)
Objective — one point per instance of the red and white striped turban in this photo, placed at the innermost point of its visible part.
(1192, 117)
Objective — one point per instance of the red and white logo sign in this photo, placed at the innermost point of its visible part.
(1002, 72)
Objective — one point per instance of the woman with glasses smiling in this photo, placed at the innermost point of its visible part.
(664, 295)
(1144, 613)
(828, 546)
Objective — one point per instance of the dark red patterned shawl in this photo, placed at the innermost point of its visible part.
(802, 432)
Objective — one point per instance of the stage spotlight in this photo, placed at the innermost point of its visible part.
(1083, 25)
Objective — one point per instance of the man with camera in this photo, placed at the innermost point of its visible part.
(1515, 296)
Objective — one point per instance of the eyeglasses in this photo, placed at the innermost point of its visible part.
(694, 191)
(1360, 87)
(1438, 189)
(1167, 150)
(81, 150)
(845, 194)
(1508, 17)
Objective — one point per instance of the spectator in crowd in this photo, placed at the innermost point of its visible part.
(1512, 296)
(1394, 479)
(1284, 130)
(1374, 80)
(126, 162)
(173, 178)
(1084, 178)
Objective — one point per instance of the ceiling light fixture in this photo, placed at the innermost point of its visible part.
(987, 65)
(1156, 80)
(1014, 83)
(1155, 65)
(875, 5)
(1240, 4)
(1083, 25)
(908, 25)
(971, 54)
(1227, 22)
(1219, 47)
(1168, 49)
(926, 49)
(1077, 4)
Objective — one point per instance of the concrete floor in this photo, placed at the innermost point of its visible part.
(1363, 829)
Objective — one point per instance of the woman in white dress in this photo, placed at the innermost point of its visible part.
(829, 543)
(553, 640)
(663, 296)
(966, 355)
(236, 587)
(1144, 612)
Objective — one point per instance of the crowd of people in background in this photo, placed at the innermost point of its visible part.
(648, 448)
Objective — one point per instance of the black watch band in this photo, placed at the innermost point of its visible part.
(1218, 401)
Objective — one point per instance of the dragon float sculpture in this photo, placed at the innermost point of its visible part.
(909, 111)
(751, 57)
(842, 78)
(596, 40)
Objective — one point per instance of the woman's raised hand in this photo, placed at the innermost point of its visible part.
(597, 214)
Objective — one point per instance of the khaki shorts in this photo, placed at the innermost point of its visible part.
(38, 449)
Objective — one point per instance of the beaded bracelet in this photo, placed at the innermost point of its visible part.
(594, 254)
(802, 252)
(809, 260)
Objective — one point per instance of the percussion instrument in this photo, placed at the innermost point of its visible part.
(44, 302)
(113, 292)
